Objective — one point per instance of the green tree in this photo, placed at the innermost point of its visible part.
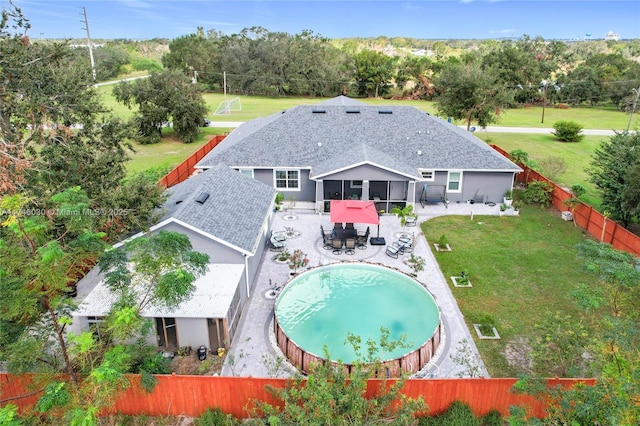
(165, 96)
(373, 72)
(403, 213)
(57, 134)
(331, 396)
(469, 93)
(164, 269)
(195, 55)
(578, 86)
(109, 60)
(614, 169)
(37, 264)
(275, 63)
(414, 75)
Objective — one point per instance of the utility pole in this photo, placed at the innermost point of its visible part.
(544, 100)
(89, 43)
(635, 103)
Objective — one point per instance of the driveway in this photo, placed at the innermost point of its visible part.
(254, 352)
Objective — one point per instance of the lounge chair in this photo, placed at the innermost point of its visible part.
(279, 235)
(410, 221)
(350, 245)
(275, 244)
(393, 251)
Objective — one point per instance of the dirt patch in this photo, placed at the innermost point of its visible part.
(191, 365)
(518, 354)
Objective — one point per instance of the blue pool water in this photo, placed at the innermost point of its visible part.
(321, 306)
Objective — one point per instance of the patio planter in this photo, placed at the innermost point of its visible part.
(493, 336)
(455, 282)
(438, 247)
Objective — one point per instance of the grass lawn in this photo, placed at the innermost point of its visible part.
(167, 153)
(576, 155)
(520, 267)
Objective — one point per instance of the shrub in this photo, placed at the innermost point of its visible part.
(519, 156)
(145, 64)
(442, 241)
(458, 413)
(552, 167)
(492, 418)
(578, 190)
(538, 192)
(216, 417)
(568, 131)
(463, 279)
(486, 324)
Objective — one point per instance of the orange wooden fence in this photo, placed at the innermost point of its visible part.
(187, 167)
(192, 395)
(588, 218)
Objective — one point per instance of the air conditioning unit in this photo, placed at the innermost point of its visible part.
(567, 216)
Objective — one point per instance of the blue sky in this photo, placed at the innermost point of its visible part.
(426, 19)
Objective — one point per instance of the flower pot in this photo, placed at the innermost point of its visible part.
(508, 201)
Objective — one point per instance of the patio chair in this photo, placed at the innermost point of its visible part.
(361, 239)
(410, 221)
(350, 245)
(327, 241)
(275, 244)
(324, 233)
(336, 244)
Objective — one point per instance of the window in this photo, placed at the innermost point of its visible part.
(428, 175)
(454, 182)
(287, 179)
(247, 172)
(95, 323)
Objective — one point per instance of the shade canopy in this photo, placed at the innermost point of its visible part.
(354, 211)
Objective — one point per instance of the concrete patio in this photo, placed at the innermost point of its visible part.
(254, 352)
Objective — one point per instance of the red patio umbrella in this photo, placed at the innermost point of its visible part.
(354, 211)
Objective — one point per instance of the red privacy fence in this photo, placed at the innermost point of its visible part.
(192, 395)
(187, 167)
(587, 217)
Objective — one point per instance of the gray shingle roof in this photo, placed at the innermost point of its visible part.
(307, 136)
(234, 212)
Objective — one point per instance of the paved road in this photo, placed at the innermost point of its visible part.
(488, 129)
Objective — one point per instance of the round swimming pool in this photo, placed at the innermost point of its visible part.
(323, 305)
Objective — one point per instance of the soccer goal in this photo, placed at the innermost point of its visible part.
(226, 107)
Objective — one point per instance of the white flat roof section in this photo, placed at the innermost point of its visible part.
(211, 298)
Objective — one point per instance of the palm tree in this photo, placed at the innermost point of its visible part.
(403, 213)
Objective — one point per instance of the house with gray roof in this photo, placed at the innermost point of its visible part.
(344, 149)
(226, 215)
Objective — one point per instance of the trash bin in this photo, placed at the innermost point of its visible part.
(202, 353)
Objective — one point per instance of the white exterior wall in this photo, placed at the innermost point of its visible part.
(192, 332)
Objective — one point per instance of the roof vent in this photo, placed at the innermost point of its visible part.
(319, 111)
(202, 198)
(385, 111)
(353, 111)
